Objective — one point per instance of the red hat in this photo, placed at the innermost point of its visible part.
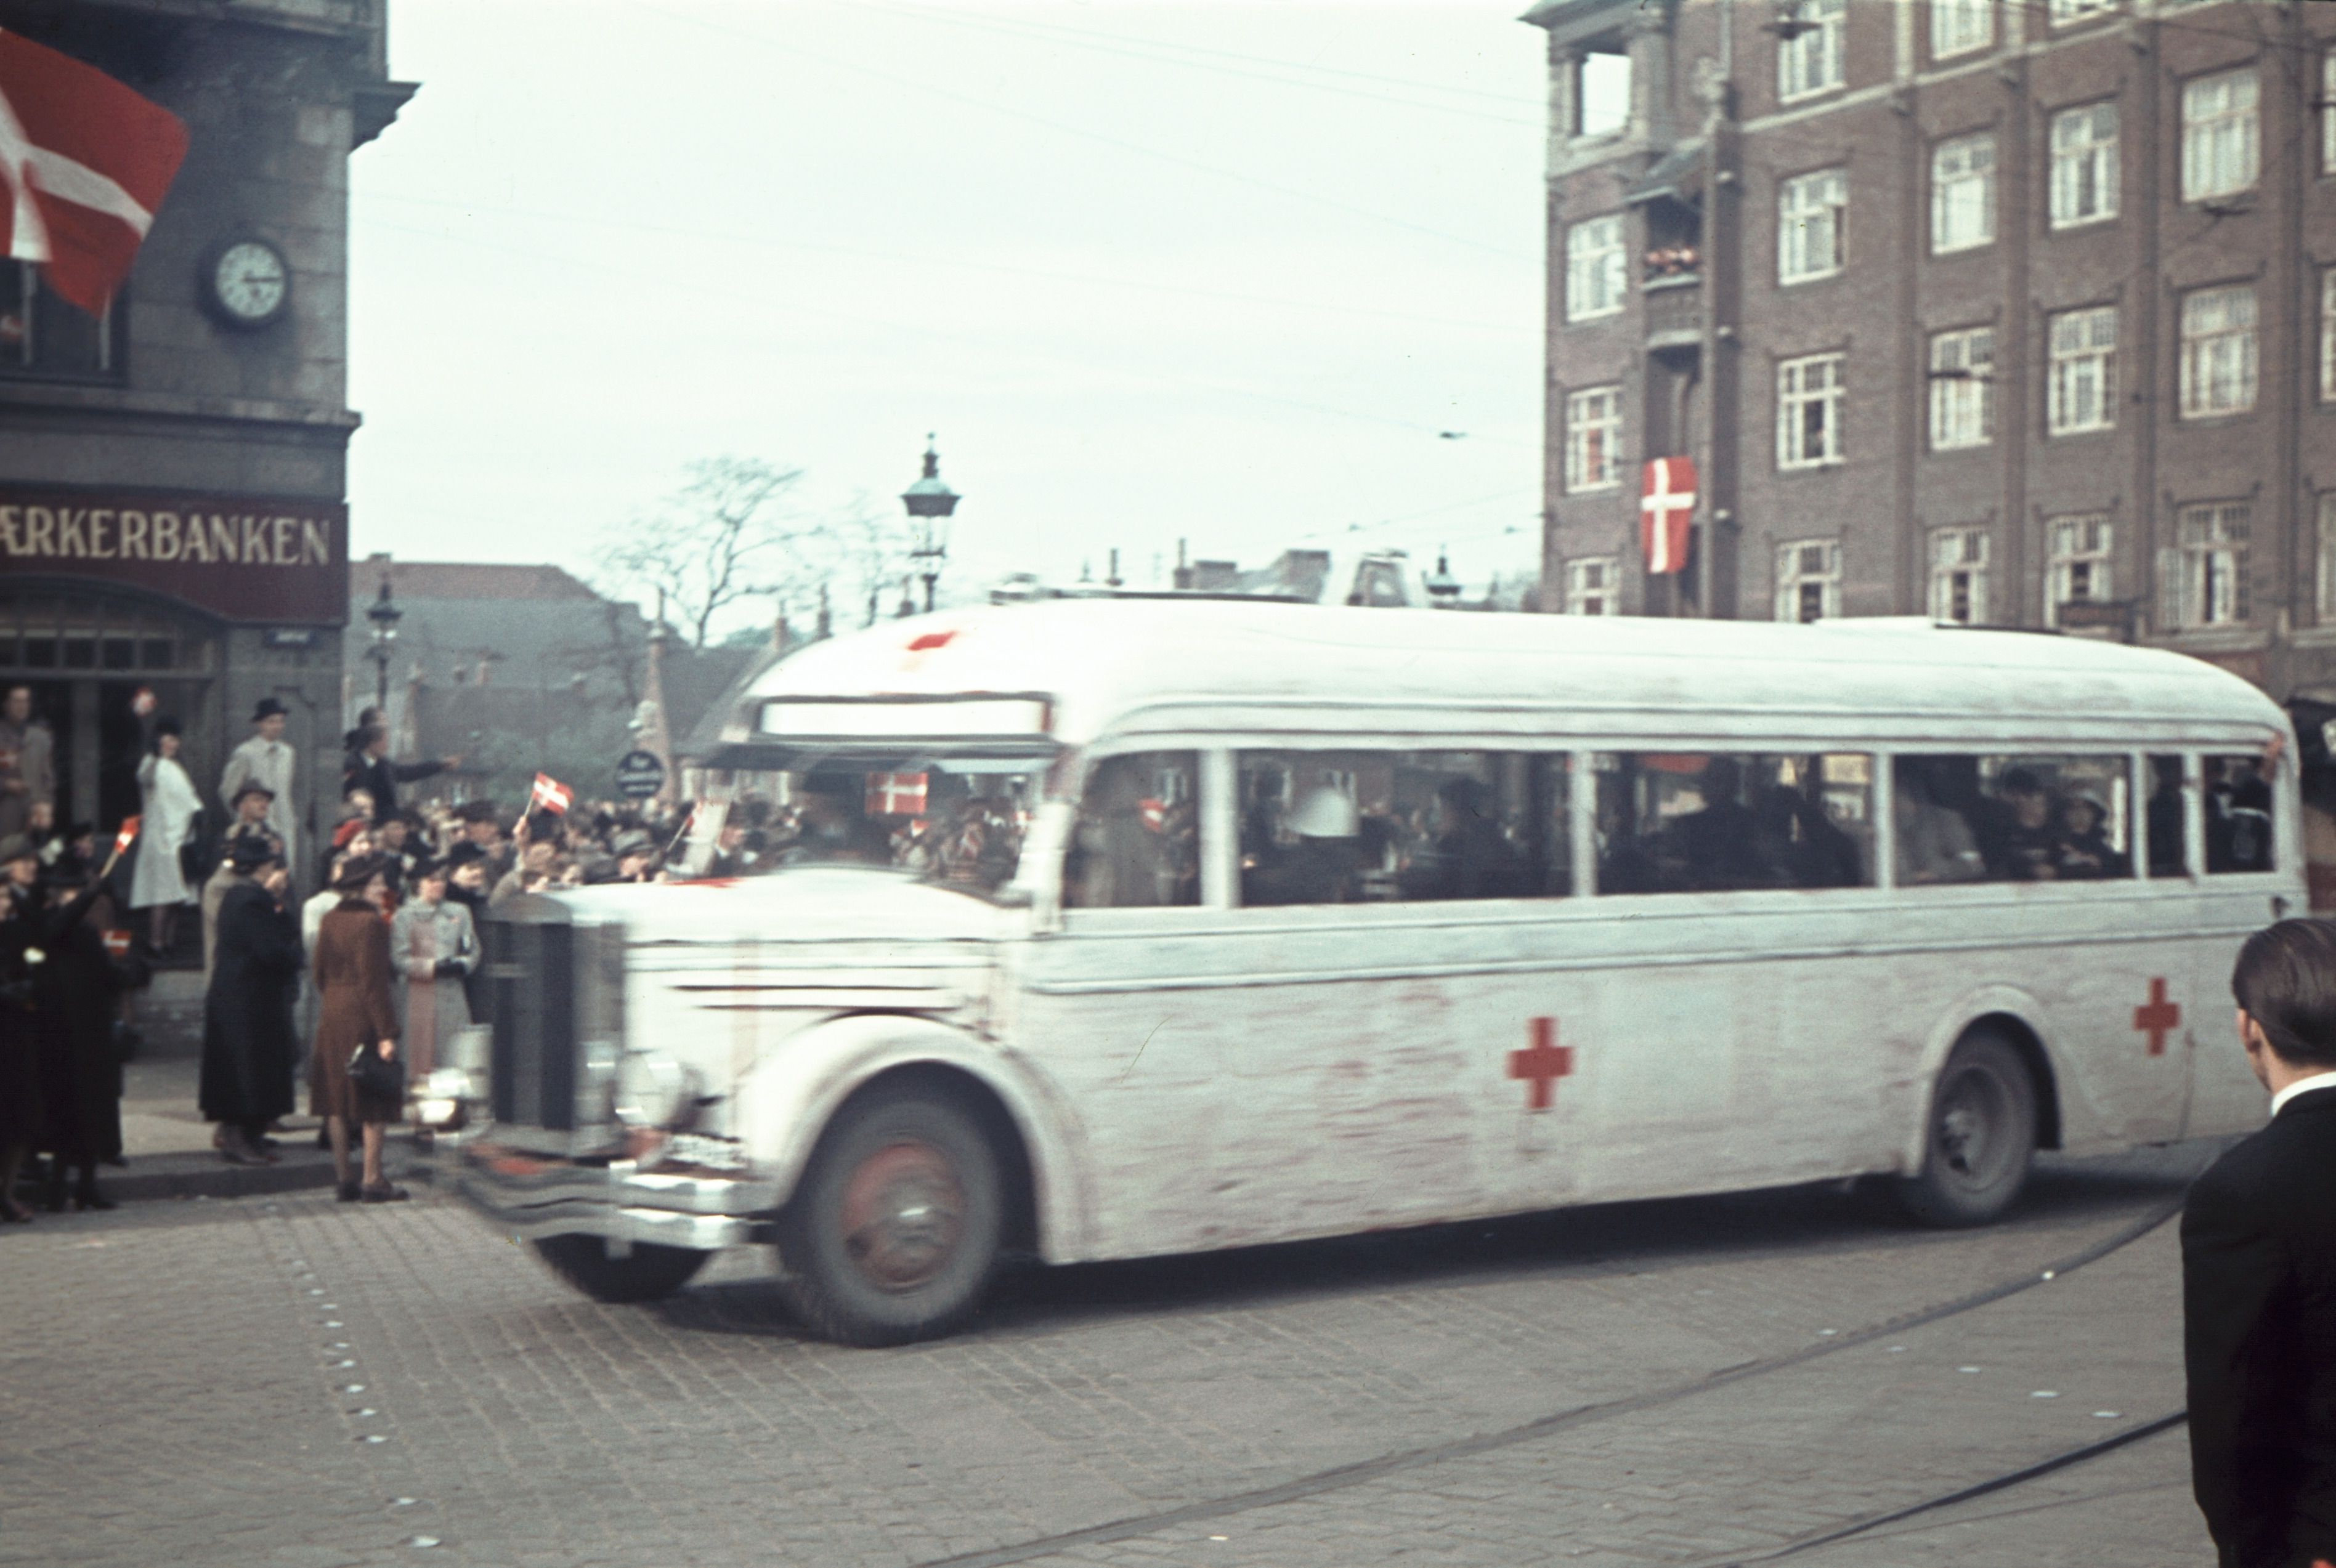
(348, 830)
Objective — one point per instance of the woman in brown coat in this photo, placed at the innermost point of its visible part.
(353, 975)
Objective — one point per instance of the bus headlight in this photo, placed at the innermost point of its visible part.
(652, 1088)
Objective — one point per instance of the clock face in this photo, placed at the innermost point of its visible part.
(250, 281)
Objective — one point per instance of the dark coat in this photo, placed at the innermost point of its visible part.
(2259, 1318)
(75, 989)
(353, 1008)
(24, 1112)
(248, 1044)
(379, 777)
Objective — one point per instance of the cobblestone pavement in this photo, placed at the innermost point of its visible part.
(288, 1381)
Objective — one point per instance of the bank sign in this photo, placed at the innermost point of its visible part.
(239, 558)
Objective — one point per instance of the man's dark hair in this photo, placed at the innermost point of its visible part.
(2285, 979)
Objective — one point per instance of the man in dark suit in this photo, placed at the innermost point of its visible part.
(2259, 1274)
(369, 769)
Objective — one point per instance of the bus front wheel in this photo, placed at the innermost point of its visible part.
(651, 1273)
(893, 1233)
(1981, 1137)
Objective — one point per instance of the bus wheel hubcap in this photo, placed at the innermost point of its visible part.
(1966, 1127)
(903, 1212)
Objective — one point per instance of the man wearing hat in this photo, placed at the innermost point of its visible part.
(28, 778)
(248, 1039)
(265, 759)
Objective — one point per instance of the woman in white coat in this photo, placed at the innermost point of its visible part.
(170, 808)
(434, 946)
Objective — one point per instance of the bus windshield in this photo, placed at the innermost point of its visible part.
(958, 821)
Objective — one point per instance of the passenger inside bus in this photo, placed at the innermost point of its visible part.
(2238, 814)
(1971, 818)
(1136, 842)
(1699, 823)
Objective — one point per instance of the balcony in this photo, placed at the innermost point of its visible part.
(1674, 301)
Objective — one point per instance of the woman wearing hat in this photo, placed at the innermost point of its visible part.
(248, 1044)
(436, 948)
(354, 971)
(168, 813)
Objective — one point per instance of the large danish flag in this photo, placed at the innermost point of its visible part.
(83, 163)
(1667, 512)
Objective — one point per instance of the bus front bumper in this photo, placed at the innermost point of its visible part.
(527, 1198)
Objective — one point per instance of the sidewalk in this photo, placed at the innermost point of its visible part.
(164, 1136)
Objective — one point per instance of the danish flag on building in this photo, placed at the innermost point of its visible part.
(551, 795)
(83, 163)
(1666, 512)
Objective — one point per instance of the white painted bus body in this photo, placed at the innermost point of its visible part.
(1211, 1076)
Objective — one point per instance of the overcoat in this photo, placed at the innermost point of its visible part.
(22, 1110)
(247, 1042)
(432, 1004)
(76, 987)
(168, 810)
(353, 980)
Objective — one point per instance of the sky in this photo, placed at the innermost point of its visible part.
(1223, 274)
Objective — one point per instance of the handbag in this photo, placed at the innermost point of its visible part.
(200, 852)
(375, 1078)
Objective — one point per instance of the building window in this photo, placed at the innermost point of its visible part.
(1593, 586)
(2324, 578)
(1963, 389)
(2220, 153)
(1960, 25)
(2218, 352)
(1811, 225)
(2081, 394)
(1959, 576)
(2067, 11)
(2328, 113)
(1594, 438)
(1808, 580)
(43, 335)
(1810, 60)
(1809, 411)
(2079, 569)
(2083, 165)
(2327, 333)
(1963, 193)
(1594, 269)
(2206, 573)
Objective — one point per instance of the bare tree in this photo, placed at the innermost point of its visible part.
(871, 544)
(722, 537)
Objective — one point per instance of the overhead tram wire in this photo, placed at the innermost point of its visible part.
(606, 225)
(1092, 42)
(668, 283)
(927, 90)
(1074, 35)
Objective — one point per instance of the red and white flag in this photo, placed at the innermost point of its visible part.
(122, 840)
(83, 163)
(1667, 513)
(551, 795)
(896, 795)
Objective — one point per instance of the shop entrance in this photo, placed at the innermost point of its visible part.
(86, 656)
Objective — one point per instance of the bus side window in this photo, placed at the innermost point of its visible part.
(2162, 816)
(2004, 819)
(2238, 814)
(1137, 840)
(1402, 827)
(1674, 822)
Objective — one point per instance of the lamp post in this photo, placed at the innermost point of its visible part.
(930, 503)
(384, 615)
(1443, 587)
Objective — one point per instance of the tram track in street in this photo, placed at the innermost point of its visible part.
(1364, 1472)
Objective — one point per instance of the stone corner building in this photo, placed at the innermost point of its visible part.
(2017, 314)
(173, 475)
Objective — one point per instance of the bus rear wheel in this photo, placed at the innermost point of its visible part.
(1981, 1135)
(651, 1273)
(894, 1231)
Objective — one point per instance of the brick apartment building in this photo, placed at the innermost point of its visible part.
(2009, 314)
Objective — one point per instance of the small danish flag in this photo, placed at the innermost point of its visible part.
(122, 840)
(551, 795)
(1667, 513)
(896, 795)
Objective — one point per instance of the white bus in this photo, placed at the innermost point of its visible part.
(1113, 928)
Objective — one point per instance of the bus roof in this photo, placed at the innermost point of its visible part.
(1099, 667)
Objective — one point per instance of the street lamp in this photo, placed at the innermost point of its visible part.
(929, 503)
(384, 615)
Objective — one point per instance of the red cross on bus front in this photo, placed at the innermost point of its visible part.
(1542, 1063)
(2158, 1017)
